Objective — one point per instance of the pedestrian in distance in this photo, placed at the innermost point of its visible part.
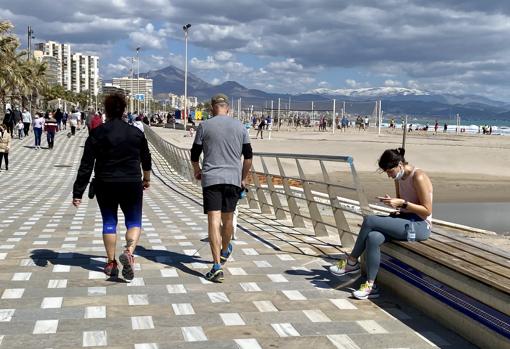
(51, 128)
(223, 140)
(412, 221)
(20, 129)
(16, 118)
(38, 126)
(262, 125)
(5, 146)
(9, 121)
(27, 121)
(96, 121)
(115, 151)
(74, 121)
(59, 116)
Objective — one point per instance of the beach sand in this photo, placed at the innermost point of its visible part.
(463, 168)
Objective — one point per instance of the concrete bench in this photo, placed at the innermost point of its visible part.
(463, 284)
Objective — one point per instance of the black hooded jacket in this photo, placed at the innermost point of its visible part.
(117, 149)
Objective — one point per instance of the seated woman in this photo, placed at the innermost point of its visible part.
(414, 204)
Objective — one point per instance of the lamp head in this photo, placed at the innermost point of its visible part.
(186, 27)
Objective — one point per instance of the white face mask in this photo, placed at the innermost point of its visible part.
(399, 175)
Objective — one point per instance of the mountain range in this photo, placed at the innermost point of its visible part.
(395, 100)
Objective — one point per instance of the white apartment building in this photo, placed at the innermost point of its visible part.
(76, 72)
(62, 52)
(135, 87)
(177, 102)
(85, 74)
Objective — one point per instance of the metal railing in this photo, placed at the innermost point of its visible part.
(295, 188)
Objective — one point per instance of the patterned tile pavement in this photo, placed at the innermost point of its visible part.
(277, 292)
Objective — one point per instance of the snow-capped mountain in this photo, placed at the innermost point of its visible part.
(370, 92)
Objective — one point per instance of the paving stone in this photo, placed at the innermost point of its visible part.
(54, 293)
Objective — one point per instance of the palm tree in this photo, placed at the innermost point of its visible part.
(19, 77)
(9, 74)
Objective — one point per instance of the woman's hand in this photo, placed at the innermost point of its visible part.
(76, 202)
(146, 184)
(392, 202)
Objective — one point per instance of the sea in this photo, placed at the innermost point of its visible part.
(492, 216)
(500, 126)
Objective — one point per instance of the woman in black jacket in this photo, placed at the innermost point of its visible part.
(115, 151)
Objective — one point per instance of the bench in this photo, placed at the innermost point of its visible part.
(463, 284)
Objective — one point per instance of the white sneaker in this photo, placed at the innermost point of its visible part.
(366, 291)
(344, 268)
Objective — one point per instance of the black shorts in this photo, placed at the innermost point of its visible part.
(221, 197)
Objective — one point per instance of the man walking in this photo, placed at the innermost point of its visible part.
(223, 140)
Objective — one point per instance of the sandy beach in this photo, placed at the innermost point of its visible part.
(463, 168)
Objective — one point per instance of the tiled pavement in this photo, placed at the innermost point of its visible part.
(276, 291)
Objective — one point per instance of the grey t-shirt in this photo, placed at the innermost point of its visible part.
(222, 139)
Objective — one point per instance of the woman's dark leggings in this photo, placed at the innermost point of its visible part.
(377, 229)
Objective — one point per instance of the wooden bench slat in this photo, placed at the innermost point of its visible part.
(489, 248)
(463, 267)
(477, 251)
(470, 258)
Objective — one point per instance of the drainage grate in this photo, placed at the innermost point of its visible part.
(63, 166)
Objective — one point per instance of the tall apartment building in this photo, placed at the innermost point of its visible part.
(76, 72)
(85, 74)
(62, 52)
(143, 86)
(52, 72)
(177, 102)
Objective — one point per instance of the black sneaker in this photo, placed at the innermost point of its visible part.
(224, 256)
(215, 275)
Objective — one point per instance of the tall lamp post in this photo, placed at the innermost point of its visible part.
(138, 80)
(186, 29)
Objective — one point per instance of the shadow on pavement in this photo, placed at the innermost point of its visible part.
(173, 259)
(43, 257)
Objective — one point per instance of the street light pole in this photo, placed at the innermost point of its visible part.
(138, 80)
(186, 29)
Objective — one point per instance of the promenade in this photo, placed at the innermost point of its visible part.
(277, 292)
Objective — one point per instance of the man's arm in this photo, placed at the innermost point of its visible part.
(248, 156)
(196, 150)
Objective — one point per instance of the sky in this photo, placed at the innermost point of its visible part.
(290, 46)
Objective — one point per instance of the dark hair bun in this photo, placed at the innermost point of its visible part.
(401, 151)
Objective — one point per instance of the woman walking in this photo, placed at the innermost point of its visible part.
(5, 146)
(115, 151)
(412, 221)
(38, 128)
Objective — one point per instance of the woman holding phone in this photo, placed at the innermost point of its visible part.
(412, 221)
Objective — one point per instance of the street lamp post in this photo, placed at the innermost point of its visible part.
(186, 29)
(138, 80)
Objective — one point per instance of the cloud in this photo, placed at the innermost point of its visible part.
(433, 43)
(392, 83)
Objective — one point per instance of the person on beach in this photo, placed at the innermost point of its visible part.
(262, 125)
(223, 140)
(413, 202)
(115, 151)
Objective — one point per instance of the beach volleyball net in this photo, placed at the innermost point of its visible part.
(288, 114)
